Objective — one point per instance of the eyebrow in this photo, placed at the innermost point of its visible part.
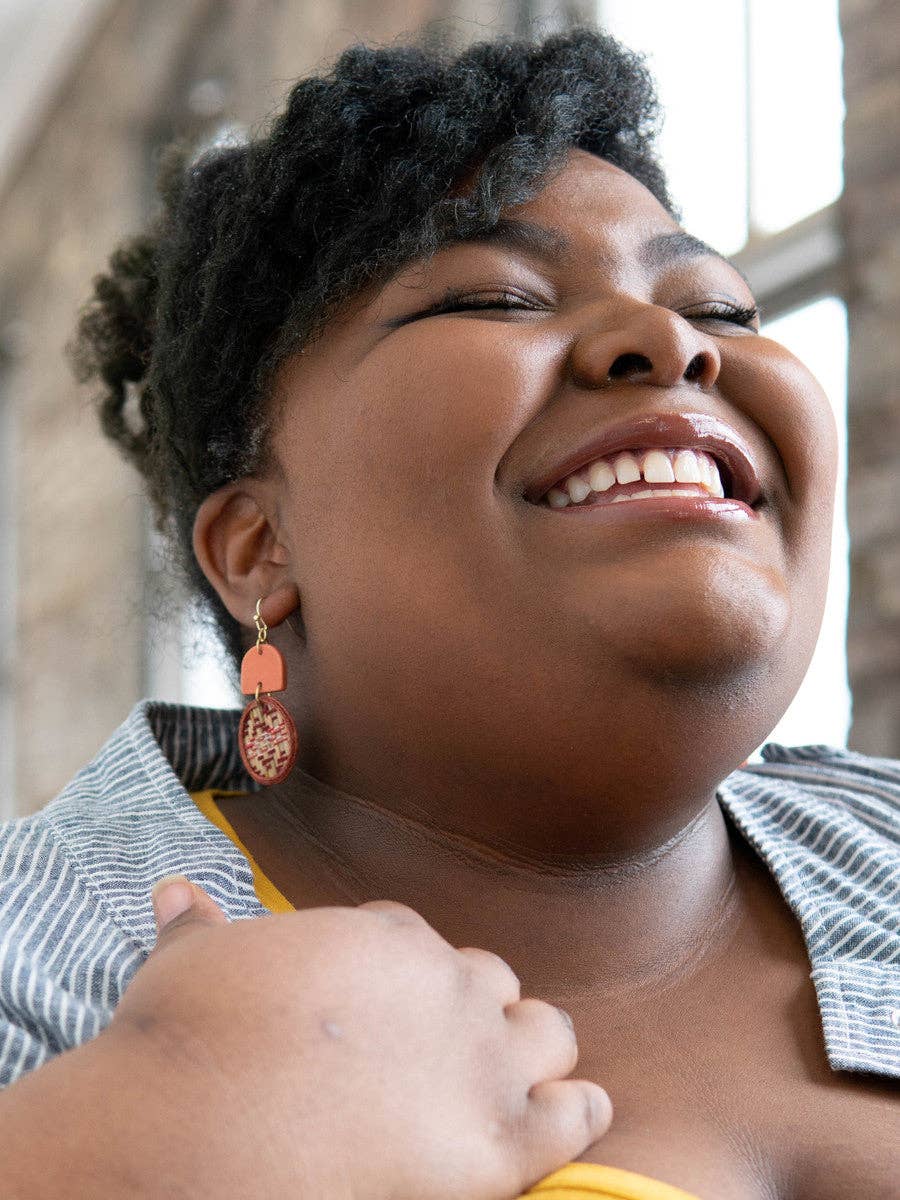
(669, 247)
(551, 245)
(537, 240)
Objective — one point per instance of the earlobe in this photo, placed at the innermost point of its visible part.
(240, 554)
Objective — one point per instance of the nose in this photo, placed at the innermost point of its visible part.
(652, 345)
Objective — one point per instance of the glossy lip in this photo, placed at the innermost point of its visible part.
(688, 430)
(679, 508)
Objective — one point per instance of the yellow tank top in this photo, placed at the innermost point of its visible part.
(577, 1181)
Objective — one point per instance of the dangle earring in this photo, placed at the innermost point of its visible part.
(267, 735)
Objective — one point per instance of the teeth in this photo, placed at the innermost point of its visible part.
(655, 466)
(658, 467)
(688, 467)
(577, 488)
(713, 479)
(626, 468)
(601, 476)
(656, 493)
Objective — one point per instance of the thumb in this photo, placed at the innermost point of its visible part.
(179, 904)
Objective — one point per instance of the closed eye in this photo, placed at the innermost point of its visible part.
(455, 301)
(731, 313)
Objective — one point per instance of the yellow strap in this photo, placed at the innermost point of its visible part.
(266, 891)
(590, 1181)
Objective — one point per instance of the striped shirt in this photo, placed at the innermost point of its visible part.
(76, 919)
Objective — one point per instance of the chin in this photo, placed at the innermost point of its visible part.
(698, 639)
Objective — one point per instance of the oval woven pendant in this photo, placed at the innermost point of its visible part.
(267, 739)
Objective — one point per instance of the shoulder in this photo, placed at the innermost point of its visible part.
(63, 959)
(834, 779)
(76, 918)
(827, 822)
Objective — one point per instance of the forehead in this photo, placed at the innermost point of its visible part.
(595, 201)
(590, 216)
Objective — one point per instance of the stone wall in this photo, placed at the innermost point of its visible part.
(871, 226)
(152, 71)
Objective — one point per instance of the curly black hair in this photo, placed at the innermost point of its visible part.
(258, 244)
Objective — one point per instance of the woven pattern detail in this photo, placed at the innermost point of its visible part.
(268, 740)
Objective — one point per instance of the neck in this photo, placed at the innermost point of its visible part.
(564, 925)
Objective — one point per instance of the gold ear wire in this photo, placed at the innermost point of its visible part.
(262, 629)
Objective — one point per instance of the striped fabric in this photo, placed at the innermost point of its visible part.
(76, 919)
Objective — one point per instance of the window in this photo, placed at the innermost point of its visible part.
(751, 93)
(822, 709)
(751, 138)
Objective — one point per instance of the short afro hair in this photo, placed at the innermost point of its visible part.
(257, 245)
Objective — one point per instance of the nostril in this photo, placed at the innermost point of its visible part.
(629, 364)
(695, 368)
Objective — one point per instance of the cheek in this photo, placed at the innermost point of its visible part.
(787, 404)
(388, 465)
(391, 484)
(417, 432)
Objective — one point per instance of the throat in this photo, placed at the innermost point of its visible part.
(623, 931)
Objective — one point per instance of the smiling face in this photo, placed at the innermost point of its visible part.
(464, 642)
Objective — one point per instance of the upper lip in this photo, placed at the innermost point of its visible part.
(677, 430)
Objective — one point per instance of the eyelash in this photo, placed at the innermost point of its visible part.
(728, 312)
(459, 302)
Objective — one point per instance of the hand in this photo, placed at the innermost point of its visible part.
(357, 1048)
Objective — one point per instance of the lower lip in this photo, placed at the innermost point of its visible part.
(683, 508)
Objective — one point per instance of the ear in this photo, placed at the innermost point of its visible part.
(239, 552)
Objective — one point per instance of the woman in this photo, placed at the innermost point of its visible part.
(434, 386)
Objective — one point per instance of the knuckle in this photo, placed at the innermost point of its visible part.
(550, 1019)
(394, 912)
(509, 1128)
(504, 966)
(176, 927)
(487, 958)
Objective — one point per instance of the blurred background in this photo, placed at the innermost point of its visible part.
(781, 144)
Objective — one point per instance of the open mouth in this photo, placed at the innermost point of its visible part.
(643, 474)
(695, 455)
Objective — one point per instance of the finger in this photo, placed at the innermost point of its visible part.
(496, 971)
(563, 1117)
(178, 905)
(545, 1037)
(391, 910)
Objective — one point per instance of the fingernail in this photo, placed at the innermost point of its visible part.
(172, 896)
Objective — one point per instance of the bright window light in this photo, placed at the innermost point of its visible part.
(791, 139)
(821, 712)
(797, 110)
(697, 54)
